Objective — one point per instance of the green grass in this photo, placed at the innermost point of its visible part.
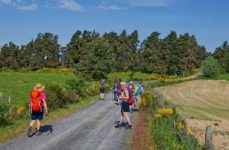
(18, 84)
(220, 77)
(223, 77)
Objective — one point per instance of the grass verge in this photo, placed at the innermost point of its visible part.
(19, 126)
(141, 137)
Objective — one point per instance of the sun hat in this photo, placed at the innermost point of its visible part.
(39, 86)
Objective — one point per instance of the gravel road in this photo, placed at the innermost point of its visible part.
(91, 128)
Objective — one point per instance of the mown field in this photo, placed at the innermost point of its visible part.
(203, 102)
(18, 84)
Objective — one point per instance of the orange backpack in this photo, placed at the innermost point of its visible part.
(35, 101)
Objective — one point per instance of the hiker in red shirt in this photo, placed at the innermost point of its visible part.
(37, 106)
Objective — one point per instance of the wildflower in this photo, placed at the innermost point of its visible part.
(157, 116)
(20, 110)
(190, 133)
(165, 112)
(180, 125)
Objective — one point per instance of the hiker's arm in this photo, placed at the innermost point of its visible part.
(46, 108)
(126, 97)
(30, 106)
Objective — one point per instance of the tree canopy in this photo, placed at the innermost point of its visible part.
(94, 55)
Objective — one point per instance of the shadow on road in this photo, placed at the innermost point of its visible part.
(46, 128)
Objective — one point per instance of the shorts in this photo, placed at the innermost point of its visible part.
(37, 115)
(125, 107)
(102, 90)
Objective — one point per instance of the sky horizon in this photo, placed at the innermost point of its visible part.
(22, 20)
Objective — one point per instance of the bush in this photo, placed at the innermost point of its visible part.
(61, 69)
(56, 97)
(124, 76)
(78, 85)
(210, 67)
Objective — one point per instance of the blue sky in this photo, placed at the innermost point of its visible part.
(22, 20)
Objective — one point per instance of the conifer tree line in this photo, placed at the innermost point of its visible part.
(95, 55)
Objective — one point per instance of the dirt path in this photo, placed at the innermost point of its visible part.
(91, 128)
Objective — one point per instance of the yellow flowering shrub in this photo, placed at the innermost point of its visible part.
(180, 125)
(165, 112)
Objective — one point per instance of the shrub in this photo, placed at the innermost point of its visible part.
(78, 85)
(24, 69)
(210, 67)
(146, 100)
(124, 76)
(56, 96)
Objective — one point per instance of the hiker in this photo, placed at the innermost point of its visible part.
(132, 95)
(138, 91)
(131, 84)
(37, 106)
(102, 89)
(115, 90)
(124, 96)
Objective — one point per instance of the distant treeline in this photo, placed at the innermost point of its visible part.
(95, 55)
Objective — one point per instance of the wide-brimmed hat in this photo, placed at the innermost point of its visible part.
(39, 86)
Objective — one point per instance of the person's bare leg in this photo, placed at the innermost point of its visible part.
(101, 96)
(32, 122)
(138, 101)
(126, 116)
(38, 125)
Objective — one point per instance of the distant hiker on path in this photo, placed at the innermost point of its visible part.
(115, 90)
(124, 96)
(132, 96)
(102, 89)
(37, 106)
(138, 91)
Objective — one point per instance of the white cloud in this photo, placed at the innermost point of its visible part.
(6, 2)
(148, 2)
(105, 6)
(69, 4)
(30, 7)
(20, 4)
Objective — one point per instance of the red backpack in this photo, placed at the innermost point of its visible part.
(35, 101)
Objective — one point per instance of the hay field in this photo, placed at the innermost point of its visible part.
(203, 102)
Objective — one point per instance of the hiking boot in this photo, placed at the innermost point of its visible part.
(117, 125)
(123, 124)
(29, 132)
(128, 126)
(117, 122)
(38, 133)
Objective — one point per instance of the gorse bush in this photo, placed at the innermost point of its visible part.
(62, 69)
